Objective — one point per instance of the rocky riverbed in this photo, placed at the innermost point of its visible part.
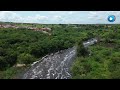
(53, 66)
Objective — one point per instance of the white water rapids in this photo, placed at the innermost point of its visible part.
(53, 66)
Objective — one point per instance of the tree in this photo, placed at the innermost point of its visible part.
(3, 63)
(2, 52)
(90, 35)
(25, 58)
(115, 74)
(81, 50)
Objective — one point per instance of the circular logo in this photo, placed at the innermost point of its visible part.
(111, 18)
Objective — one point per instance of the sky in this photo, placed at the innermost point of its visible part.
(59, 17)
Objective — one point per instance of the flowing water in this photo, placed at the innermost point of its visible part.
(53, 66)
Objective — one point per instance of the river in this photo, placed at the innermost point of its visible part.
(53, 66)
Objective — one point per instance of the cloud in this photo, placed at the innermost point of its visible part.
(56, 17)
(9, 16)
(35, 19)
(93, 15)
(71, 12)
(92, 12)
(38, 17)
(50, 17)
(100, 14)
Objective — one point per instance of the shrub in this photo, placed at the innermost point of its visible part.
(3, 63)
(115, 74)
(25, 58)
(80, 68)
(81, 50)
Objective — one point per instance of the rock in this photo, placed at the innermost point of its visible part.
(20, 65)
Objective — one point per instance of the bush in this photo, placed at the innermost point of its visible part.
(115, 74)
(3, 63)
(11, 73)
(25, 58)
(80, 68)
(81, 50)
(2, 52)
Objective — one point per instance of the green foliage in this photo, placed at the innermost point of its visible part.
(80, 68)
(104, 62)
(81, 50)
(26, 46)
(11, 73)
(115, 74)
(3, 63)
(25, 58)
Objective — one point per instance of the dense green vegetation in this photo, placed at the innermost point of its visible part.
(22, 46)
(104, 61)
